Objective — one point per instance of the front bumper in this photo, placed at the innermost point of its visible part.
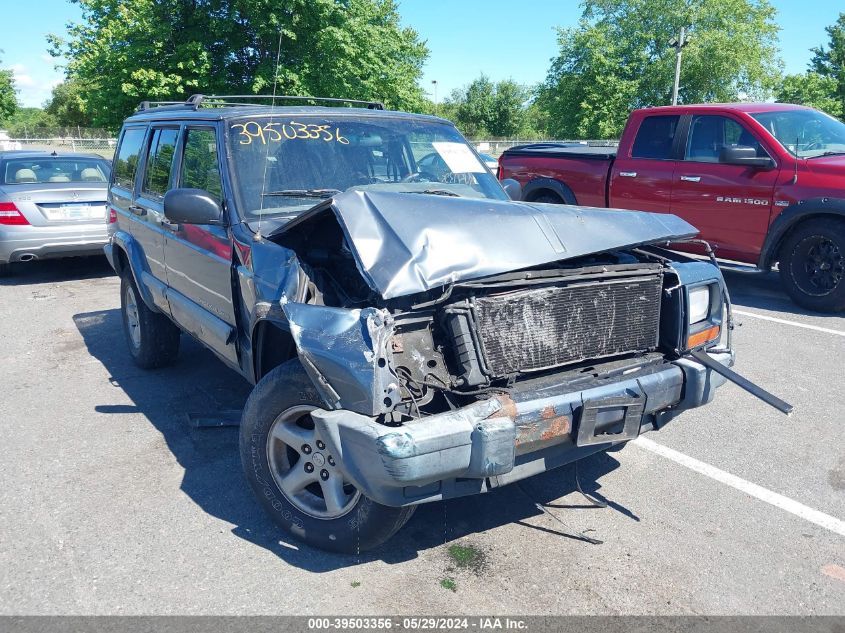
(543, 425)
(60, 240)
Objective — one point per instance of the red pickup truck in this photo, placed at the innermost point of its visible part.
(764, 183)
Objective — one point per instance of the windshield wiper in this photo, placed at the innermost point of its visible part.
(437, 192)
(303, 193)
(831, 154)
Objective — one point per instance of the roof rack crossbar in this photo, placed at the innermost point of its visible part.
(197, 100)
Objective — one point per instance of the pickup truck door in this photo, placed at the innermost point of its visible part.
(730, 204)
(198, 257)
(642, 179)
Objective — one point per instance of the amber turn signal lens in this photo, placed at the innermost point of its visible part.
(705, 336)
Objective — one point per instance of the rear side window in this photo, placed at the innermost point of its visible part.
(126, 160)
(199, 162)
(159, 162)
(655, 138)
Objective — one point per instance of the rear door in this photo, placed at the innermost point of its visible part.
(642, 179)
(199, 256)
(729, 204)
(148, 207)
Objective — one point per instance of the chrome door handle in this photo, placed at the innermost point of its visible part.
(628, 174)
(167, 224)
(691, 178)
(134, 208)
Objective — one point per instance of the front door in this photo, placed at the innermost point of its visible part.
(199, 256)
(729, 204)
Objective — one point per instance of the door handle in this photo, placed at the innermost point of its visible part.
(628, 174)
(167, 224)
(691, 178)
(134, 208)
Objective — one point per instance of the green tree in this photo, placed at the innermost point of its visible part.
(8, 94)
(126, 51)
(830, 62)
(486, 109)
(619, 59)
(811, 89)
(25, 121)
(67, 104)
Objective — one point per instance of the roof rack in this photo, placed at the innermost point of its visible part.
(195, 102)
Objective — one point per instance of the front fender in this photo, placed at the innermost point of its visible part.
(790, 217)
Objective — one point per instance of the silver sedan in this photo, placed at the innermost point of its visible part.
(51, 205)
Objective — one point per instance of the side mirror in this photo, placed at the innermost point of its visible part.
(744, 155)
(191, 206)
(512, 188)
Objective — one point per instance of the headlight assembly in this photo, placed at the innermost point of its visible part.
(704, 318)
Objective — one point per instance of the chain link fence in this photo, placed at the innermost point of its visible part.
(495, 147)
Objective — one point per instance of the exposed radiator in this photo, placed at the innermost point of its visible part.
(530, 330)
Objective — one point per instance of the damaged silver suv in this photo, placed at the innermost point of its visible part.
(412, 336)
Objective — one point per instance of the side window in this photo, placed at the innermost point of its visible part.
(655, 137)
(710, 133)
(159, 162)
(199, 162)
(126, 160)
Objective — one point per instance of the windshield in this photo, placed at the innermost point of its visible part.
(805, 133)
(47, 169)
(283, 164)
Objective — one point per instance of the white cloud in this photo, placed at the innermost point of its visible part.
(35, 85)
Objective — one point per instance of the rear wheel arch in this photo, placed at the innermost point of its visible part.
(272, 345)
(540, 188)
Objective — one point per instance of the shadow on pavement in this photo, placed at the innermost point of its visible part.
(200, 385)
(57, 270)
(764, 291)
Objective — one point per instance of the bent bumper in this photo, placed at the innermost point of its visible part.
(41, 242)
(507, 438)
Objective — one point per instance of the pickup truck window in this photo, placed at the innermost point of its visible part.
(655, 138)
(709, 134)
(805, 133)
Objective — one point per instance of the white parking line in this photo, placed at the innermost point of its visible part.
(763, 494)
(785, 322)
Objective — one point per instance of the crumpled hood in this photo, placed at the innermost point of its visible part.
(408, 243)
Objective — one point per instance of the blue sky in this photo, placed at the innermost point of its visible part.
(501, 38)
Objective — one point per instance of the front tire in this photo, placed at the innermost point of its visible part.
(812, 265)
(152, 338)
(294, 476)
(549, 198)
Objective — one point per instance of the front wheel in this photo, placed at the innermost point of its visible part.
(297, 479)
(812, 265)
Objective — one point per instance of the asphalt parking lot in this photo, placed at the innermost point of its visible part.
(113, 503)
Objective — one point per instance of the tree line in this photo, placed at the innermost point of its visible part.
(616, 59)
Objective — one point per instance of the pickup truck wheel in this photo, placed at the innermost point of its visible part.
(549, 198)
(812, 265)
(294, 476)
(152, 338)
